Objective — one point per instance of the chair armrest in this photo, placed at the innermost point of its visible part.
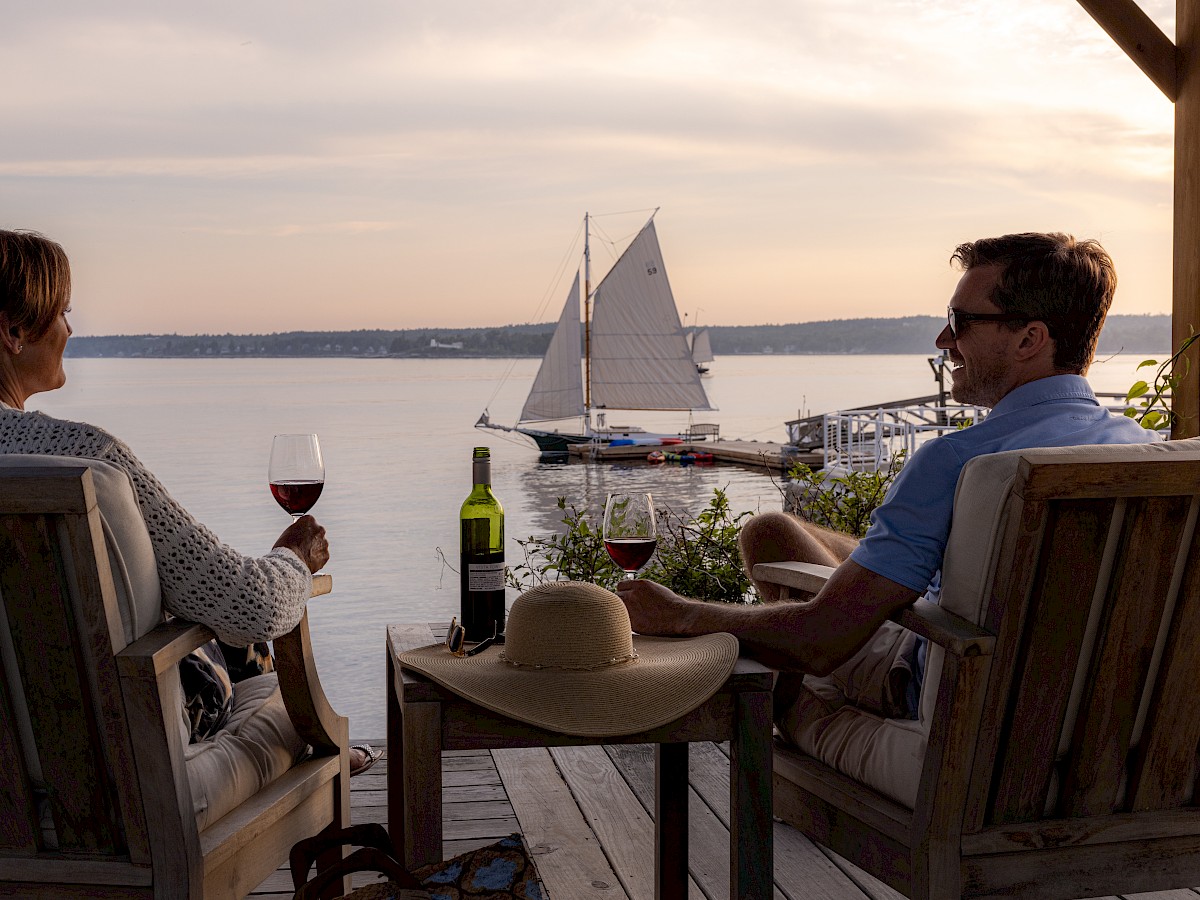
(927, 619)
(309, 709)
(169, 642)
(807, 578)
(947, 629)
(161, 648)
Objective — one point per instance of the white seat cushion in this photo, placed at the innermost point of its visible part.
(257, 746)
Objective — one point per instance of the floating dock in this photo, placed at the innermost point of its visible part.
(768, 455)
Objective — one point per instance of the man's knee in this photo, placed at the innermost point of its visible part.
(777, 537)
(769, 537)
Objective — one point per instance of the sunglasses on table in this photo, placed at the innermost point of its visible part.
(959, 319)
(456, 639)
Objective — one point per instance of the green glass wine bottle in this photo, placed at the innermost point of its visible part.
(481, 554)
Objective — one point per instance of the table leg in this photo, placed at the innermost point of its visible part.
(395, 759)
(671, 821)
(751, 873)
(422, 816)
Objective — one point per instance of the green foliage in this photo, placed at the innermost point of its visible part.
(577, 554)
(841, 502)
(697, 556)
(1152, 411)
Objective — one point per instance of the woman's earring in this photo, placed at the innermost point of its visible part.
(20, 347)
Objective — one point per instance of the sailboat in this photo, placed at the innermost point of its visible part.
(630, 353)
(701, 347)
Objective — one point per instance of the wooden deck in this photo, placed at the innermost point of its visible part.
(585, 813)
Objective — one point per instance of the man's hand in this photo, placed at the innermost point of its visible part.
(654, 609)
(306, 539)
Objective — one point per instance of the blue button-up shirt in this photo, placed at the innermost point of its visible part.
(909, 530)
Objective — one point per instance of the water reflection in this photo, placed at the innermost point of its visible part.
(685, 490)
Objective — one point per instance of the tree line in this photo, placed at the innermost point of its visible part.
(909, 334)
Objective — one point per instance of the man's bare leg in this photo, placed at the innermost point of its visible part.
(780, 537)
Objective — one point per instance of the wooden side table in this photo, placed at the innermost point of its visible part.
(424, 719)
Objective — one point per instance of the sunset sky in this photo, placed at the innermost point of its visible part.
(271, 166)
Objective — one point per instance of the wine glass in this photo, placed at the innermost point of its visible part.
(296, 472)
(630, 534)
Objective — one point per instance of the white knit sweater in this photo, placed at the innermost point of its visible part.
(243, 599)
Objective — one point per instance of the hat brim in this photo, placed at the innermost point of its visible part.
(669, 678)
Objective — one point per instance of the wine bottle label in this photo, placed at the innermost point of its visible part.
(485, 576)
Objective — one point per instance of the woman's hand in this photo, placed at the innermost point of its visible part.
(306, 539)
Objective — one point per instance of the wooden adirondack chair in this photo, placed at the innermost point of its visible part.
(94, 790)
(1055, 751)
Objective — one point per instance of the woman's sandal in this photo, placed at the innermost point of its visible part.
(370, 756)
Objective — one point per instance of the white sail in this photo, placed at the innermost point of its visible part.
(557, 391)
(640, 357)
(701, 347)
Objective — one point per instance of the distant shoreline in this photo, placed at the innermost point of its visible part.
(857, 337)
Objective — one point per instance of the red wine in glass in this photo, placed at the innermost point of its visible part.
(297, 497)
(630, 532)
(296, 472)
(631, 553)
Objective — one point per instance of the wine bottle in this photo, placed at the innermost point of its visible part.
(481, 553)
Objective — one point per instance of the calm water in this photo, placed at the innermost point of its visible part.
(397, 437)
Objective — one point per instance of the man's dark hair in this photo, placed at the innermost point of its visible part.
(1052, 278)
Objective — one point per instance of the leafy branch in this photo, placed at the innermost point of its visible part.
(1153, 412)
(841, 502)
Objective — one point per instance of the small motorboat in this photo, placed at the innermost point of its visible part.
(689, 458)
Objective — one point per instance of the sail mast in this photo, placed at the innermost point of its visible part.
(587, 330)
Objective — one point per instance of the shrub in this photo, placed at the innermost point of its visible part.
(697, 556)
(841, 502)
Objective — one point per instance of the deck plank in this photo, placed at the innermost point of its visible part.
(568, 855)
(801, 868)
(708, 834)
(622, 824)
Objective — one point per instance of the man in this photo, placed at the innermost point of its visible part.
(1022, 329)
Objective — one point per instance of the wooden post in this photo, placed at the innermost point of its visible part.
(1175, 68)
(1185, 316)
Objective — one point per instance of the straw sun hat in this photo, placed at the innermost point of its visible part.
(570, 664)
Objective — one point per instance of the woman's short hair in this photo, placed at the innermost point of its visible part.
(1053, 278)
(35, 281)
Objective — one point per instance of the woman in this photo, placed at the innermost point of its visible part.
(249, 599)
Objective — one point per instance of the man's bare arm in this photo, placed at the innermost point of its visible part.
(812, 636)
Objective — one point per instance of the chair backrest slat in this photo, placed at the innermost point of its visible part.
(19, 825)
(60, 682)
(1089, 651)
(1060, 597)
(1163, 772)
(1133, 610)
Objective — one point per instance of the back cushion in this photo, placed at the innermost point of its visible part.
(130, 553)
(982, 507)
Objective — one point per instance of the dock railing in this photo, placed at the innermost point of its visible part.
(866, 440)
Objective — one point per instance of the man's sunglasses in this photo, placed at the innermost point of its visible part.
(958, 319)
(456, 639)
